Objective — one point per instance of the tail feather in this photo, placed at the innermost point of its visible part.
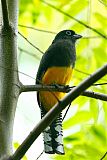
(53, 136)
(57, 135)
(47, 141)
(47, 136)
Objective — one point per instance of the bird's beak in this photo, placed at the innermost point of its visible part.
(77, 36)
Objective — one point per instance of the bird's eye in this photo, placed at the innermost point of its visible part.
(68, 33)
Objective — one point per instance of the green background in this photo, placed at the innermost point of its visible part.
(85, 126)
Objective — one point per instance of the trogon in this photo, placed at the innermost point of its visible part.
(56, 67)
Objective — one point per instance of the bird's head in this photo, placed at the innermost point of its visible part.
(67, 34)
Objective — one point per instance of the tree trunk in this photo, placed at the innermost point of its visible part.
(9, 81)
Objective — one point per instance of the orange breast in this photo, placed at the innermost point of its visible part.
(54, 75)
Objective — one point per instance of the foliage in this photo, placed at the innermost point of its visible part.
(90, 141)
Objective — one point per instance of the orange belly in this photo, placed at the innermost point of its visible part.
(54, 75)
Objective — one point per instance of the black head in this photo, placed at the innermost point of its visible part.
(67, 34)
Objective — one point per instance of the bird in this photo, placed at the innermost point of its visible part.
(55, 68)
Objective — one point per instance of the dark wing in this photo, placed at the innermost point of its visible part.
(61, 53)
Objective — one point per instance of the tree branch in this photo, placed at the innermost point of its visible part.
(103, 3)
(37, 29)
(31, 43)
(39, 87)
(29, 53)
(51, 32)
(104, 156)
(80, 22)
(53, 113)
(95, 95)
(5, 14)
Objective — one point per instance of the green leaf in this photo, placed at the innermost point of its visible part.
(94, 108)
(79, 118)
(99, 134)
(105, 113)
